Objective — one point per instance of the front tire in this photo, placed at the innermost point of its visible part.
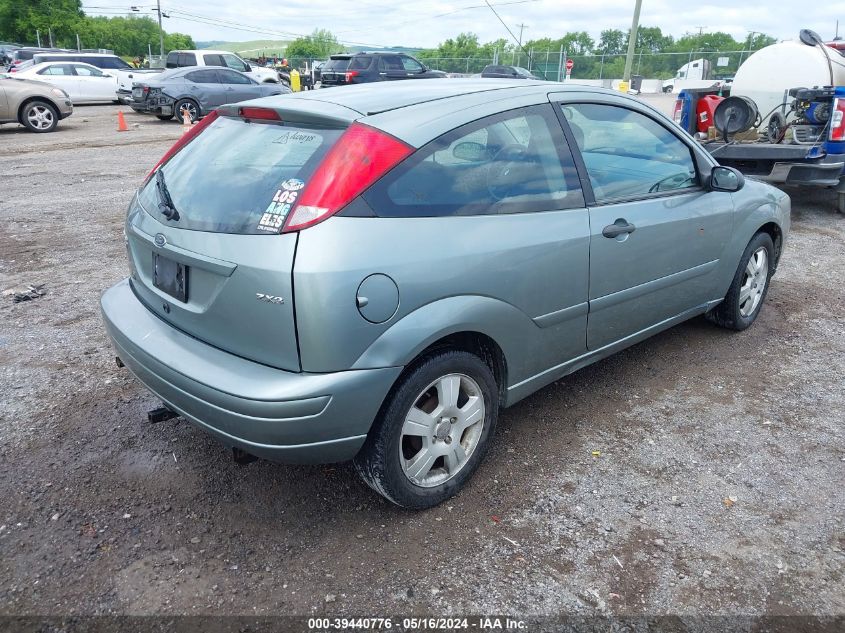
(749, 286)
(432, 431)
(39, 116)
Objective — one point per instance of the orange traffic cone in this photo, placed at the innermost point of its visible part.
(121, 122)
(186, 120)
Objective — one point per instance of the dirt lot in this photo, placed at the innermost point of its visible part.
(719, 488)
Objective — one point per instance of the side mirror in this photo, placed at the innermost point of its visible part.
(248, 68)
(470, 151)
(726, 179)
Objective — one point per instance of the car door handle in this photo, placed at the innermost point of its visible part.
(618, 228)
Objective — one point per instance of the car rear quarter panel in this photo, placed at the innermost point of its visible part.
(521, 279)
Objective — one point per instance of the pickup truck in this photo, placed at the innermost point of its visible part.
(794, 132)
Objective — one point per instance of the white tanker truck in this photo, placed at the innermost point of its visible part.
(793, 95)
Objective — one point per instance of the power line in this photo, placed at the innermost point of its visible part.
(522, 48)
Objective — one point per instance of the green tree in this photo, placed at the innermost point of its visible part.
(319, 45)
(611, 42)
(21, 19)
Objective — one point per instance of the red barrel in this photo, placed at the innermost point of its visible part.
(704, 110)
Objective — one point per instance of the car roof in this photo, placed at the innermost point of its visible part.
(59, 62)
(375, 98)
(204, 51)
(75, 54)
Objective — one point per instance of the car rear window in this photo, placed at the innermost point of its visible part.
(360, 63)
(337, 64)
(239, 177)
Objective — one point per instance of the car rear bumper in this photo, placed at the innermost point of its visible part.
(271, 413)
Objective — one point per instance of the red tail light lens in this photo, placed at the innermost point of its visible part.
(361, 156)
(678, 112)
(186, 138)
(837, 121)
(264, 114)
(350, 74)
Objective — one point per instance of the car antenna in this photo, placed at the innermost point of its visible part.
(518, 43)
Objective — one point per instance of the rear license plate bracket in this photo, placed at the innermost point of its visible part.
(170, 277)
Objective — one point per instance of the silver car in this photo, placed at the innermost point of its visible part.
(196, 90)
(373, 273)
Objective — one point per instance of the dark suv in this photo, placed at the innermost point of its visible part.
(333, 72)
(386, 66)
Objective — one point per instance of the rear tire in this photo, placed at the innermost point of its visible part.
(432, 431)
(749, 287)
(192, 107)
(39, 116)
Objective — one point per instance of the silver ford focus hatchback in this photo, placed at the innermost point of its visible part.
(373, 272)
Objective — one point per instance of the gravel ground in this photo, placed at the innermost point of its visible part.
(698, 473)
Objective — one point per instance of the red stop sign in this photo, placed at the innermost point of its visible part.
(569, 64)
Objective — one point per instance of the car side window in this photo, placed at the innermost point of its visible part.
(361, 62)
(628, 154)
(87, 71)
(57, 69)
(411, 65)
(187, 59)
(391, 63)
(231, 77)
(512, 162)
(213, 60)
(234, 63)
(203, 77)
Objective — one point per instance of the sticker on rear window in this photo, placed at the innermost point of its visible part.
(283, 195)
(271, 222)
(293, 184)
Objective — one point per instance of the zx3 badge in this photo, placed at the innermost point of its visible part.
(269, 298)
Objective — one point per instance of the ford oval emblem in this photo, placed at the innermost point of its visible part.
(160, 240)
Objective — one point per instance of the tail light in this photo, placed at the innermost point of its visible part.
(351, 74)
(186, 138)
(837, 121)
(677, 114)
(361, 156)
(146, 89)
(264, 114)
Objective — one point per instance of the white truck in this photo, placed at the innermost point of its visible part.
(694, 74)
(179, 59)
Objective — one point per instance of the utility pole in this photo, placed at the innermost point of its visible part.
(632, 41)
(160, 32)
(521, 26)
(38, 37)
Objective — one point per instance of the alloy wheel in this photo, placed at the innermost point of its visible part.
(754, 280)
(441, 430)
(40, 117)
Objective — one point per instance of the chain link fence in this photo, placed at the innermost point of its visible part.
(551, 65)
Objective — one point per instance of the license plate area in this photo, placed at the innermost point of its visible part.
(170, 277)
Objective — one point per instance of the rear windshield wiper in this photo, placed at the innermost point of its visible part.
(165, 204)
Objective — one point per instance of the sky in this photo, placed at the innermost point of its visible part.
(426, 23)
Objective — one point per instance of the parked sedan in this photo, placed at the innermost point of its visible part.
(83, 82)
(495, 71)
(33, 104)
(198, 91)
(374, 274)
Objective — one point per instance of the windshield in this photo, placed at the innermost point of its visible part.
(239, 177)
(523, 72)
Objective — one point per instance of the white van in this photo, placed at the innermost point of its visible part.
(179, 59)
